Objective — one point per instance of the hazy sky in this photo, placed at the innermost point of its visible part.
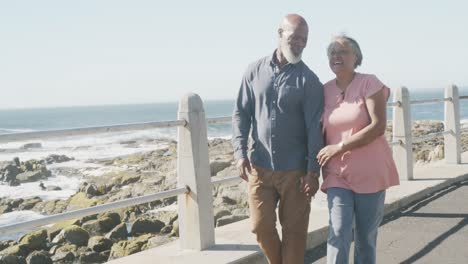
(64, 53)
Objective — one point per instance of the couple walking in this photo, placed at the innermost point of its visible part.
(298, 127)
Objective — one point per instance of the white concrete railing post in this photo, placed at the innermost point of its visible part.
(196, 222)
(452, 147)
(403, 153)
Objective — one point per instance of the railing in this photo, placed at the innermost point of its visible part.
(195, 201)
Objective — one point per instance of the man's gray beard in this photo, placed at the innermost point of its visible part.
(289, 55)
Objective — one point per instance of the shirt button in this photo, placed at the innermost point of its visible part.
(273, 136)
(274, 152)
(274, 102)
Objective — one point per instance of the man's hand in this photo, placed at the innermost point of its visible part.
(310, 184)
(243, 165)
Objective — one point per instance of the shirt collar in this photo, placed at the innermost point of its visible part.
(274, 64)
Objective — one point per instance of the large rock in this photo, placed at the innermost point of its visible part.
(437, 153)
(54, 158)
(39, 257)
(35, 240)
(144, 226)
(165, 216)
(29, 203)
(125, 248)
(16, 250)
(55, 229)
(230, 219)
(99, 243)
(79, 201)
(218, 165)
(6, 244)
(73, 235)
(31, 176)
(9, 173)
(12, 259)
(99, 226)
(92, 257)
(156, 241)
(31, 146)
(118, 233)
(64, 254)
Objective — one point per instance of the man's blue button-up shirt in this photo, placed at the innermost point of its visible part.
(280, 109)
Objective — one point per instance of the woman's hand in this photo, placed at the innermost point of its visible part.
(328, 152)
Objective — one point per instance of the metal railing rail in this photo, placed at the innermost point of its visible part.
(88, 130)
(419, 139)
(9, 229)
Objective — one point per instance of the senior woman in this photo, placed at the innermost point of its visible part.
(357, 163)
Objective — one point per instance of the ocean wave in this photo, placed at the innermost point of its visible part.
(14, 130)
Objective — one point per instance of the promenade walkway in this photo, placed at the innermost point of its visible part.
(433, 230)
(430, 228)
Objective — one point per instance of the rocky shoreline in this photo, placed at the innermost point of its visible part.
(103, 237)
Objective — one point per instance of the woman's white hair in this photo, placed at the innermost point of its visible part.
(351, 42)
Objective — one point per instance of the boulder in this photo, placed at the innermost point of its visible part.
(73, 235)
(53, 188)
(31, 146)
(230, 219)
(99, 243)
(9, 173)
(63, 254)
(218, 165)
(436, 154)
(16, 250)
(166, 216)
(12, 259)
(79, 201)
(54, 158)
(220, 213)
(99, 226)
(29, 203)
(125, 248)
(144, 226)
(92, 257)
(118, 233)
(55, 229)
(35, 240)
(156, 241)
(39, 257)
(31, 176)
(6, 244)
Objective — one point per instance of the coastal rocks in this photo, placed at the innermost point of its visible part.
(218, 165)
(12, 259)
(125, 248)
(17, 172)
(118, 233)
(100, 226)
(39, 257)
(73, 235)
(99, 243)
(35, 241)
(54, 158)
(143, 226)
(34, 145)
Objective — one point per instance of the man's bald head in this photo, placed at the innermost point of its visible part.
(292, 37)
(293, 21)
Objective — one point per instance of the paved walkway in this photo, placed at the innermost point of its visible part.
(235, 244)
(434, 230)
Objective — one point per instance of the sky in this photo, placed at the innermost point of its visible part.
(74, 53)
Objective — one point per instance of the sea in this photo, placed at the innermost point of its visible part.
(102, 146)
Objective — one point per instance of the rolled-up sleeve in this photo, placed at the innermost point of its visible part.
(242, 119)
(313, 108)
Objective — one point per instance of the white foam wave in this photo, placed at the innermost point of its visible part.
(69, 186)
(17, 217)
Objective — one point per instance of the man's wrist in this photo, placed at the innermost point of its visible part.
(313, 174)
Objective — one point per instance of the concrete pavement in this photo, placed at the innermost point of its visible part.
(235, 243)
(433, 230)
